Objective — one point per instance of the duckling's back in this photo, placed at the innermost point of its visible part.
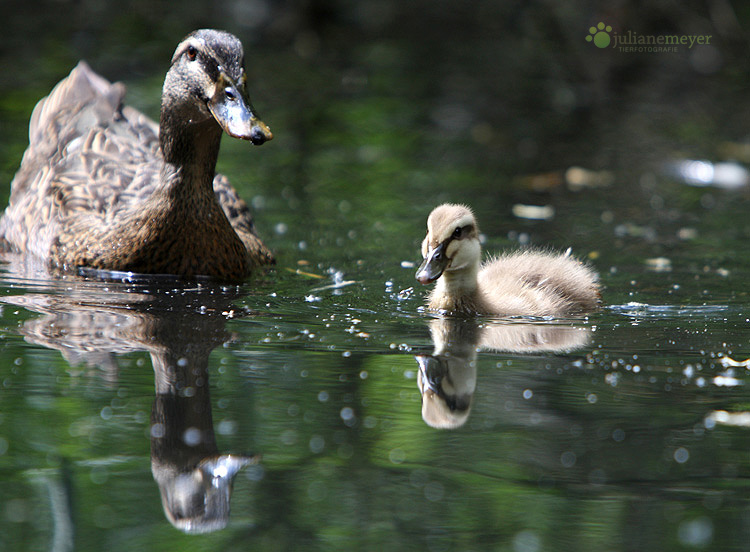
(538, 283)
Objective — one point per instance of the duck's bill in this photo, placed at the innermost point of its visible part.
(433, 265)
(428, 368)
(231, 108)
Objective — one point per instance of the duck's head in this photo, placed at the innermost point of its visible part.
(451, 244)
(207, 80)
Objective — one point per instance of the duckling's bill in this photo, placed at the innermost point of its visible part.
(232, 109)
(433, 266)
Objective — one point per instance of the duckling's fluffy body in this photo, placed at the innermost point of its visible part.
(102, 186)
(522, 283)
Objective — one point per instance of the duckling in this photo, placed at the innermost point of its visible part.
(102, 186)
(524, 283)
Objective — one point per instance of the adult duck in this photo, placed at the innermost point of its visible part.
(101, 186)
(524, 283)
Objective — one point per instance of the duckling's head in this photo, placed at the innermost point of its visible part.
(451, 244)
(207, 80)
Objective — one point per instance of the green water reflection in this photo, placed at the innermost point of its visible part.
(621, 431)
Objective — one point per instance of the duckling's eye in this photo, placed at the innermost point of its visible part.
(192, 53)
(460, 232)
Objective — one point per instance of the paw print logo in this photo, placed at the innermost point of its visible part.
(599, 35)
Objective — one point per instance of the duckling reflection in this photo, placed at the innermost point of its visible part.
(93, 321)
(448, 377)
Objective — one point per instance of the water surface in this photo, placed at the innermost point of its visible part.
(624, 430)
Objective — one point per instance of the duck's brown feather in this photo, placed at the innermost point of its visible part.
(94, 166)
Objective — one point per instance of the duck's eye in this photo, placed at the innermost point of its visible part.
(192, 53)
(461, 232)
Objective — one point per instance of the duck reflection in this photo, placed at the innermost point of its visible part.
(448, 377)
(195, 480)
(91, 322)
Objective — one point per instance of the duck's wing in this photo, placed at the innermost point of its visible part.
(239, 215)
(84, 152)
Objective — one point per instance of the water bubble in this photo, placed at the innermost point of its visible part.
(397, 456)
(345, 451)
(696, 532)
(289, 437)
(192, 436)
(99, 475)
(526, 541)
(347, 414)
(568, 459)
(317, 444)
(434, 491)
(227, 427)
(158, 431)
(317, 491)
(681, 455)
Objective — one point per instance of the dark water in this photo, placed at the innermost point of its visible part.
(626, 430)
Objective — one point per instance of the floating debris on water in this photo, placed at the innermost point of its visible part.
(338, 281)
(405, 293)
(727, 362)
(304, 273)
(728, 174)
(726, 381)
(739, 419)
(540, 182)
(534, 212)
(575, 178)
(686, 234)
(578, 178)
(659, 264)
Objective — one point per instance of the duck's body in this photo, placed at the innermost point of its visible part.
(524, 283)
(104, 187)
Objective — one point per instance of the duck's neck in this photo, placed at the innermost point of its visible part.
(456, 291)
(192, 149)
(458, 283)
